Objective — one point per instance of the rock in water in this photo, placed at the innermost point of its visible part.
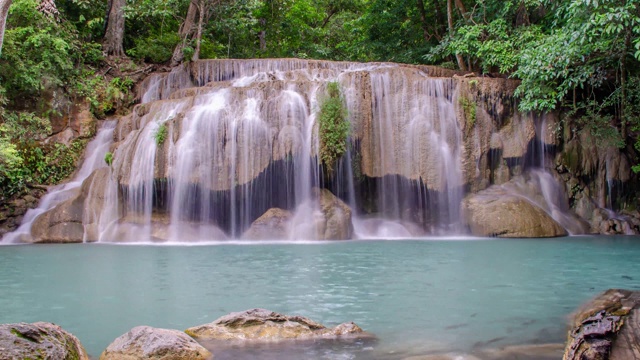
(508, 216)
(336, 224)
(39, 340)
(145, 342)
(273, 224)
(606, 328)
(261, 324)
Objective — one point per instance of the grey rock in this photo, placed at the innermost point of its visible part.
(39, 340)
(145, 342)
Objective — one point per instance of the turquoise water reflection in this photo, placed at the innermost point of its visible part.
(417, 296)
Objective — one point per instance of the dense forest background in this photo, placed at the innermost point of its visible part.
(580, 57)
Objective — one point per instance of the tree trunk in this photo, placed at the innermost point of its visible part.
(114, 35)
(4, 11)
(423, 21)
(463, 9)
(201, 11)
(262, 35)
(623, 85)
(436, 5)
(186, 29)
(459, 57)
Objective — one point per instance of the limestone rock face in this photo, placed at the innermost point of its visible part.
(62, 224)
(336, 221)
(496, 213)
(145, 342)
(606, 328)
(39, 340)
(65, 223)
(273, 224)
(265, 325)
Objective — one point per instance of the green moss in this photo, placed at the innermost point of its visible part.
(469, 108)
(333, 127)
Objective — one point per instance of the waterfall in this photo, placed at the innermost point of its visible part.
(242, 138)
(96, 151)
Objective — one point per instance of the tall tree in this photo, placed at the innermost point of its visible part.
(186, 30)
(459, 57)
(114, 34)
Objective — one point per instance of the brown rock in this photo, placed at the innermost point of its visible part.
(495, 213)
(606, 328)
(145, 342)
(273, 224)
(265, 325)
(336, 221)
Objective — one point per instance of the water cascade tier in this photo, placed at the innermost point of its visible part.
(228, 149)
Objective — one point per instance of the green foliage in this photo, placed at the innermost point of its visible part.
(160, 134)
(104, 96)
(333, 127)
(108, 158)
(38, 52)
(39, 164)
(469, 108)
(155, 48)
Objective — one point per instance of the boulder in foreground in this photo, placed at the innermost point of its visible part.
(145, 342)
(606, 328)
(261, 324)
(39, 340)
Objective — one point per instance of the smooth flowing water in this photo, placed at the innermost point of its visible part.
(417, 296)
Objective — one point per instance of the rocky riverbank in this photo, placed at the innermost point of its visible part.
(606, 328)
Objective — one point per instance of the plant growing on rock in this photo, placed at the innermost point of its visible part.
(469, 108)
(108, 158)
(160, 134)
(333, 127)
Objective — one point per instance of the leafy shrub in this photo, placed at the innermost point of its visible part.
(155, 48)
(333, 126)
(160, 134)
(108, 158)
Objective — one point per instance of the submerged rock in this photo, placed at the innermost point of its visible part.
(273, 224)
(501, 214)
(145, 342)
(261, 324)
(606, 328)
(39, 340)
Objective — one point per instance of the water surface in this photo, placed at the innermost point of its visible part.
(417, 296)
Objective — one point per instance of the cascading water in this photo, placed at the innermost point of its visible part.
(217, 144)
(246, 141)
(96, 151)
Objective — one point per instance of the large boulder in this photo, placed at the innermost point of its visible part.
(496, 213)
(273, 224)
(335, 223)
(145, 342)
(261, 324)
(606, 328)
(62, 224)
(39, 340)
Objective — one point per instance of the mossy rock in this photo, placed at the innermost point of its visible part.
(37, 341)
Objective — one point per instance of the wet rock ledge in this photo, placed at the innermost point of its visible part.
(606, 328)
